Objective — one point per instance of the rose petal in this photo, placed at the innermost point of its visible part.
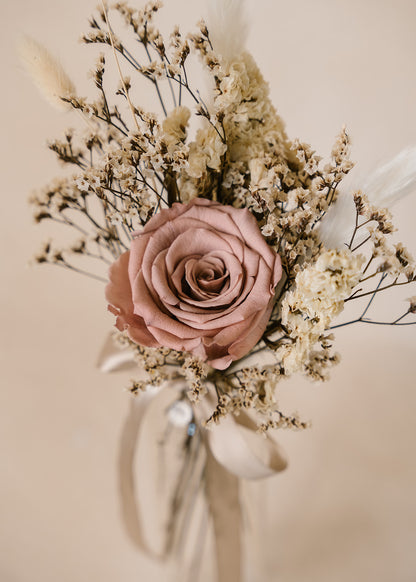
(229, 294)
(195, 241)
(154, 314)
(118, 295)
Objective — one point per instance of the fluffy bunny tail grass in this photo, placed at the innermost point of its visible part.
(228, 27)
(46, 72)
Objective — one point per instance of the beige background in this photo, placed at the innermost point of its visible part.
(345, 509)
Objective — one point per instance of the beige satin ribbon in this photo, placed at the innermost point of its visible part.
(232, 450)
(113, 359)
(141, 439)
(222, 492)
(129, 503)
(236, 445)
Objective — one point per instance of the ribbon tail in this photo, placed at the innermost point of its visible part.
(127, 448)
(139, 490)
(222, 492)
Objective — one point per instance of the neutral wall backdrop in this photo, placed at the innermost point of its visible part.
(345, 509)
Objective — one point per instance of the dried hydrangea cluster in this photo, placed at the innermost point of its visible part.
(131, 166)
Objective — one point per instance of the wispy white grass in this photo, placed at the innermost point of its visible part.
(228, 26)
(384, 187)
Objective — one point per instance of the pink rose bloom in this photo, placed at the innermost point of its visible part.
(199, 278)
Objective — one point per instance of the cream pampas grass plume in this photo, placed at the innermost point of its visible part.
(227, 26)
(387, 185)
(46, 72)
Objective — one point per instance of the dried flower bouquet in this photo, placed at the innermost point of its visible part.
(228, 251)
(226, 246)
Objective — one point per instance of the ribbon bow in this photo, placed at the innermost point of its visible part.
(193, 456)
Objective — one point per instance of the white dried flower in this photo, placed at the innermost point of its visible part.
(318, 297)
(175, 126)
(205, 152)
(412, 306)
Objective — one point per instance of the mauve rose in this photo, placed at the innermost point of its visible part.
(199, 278)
